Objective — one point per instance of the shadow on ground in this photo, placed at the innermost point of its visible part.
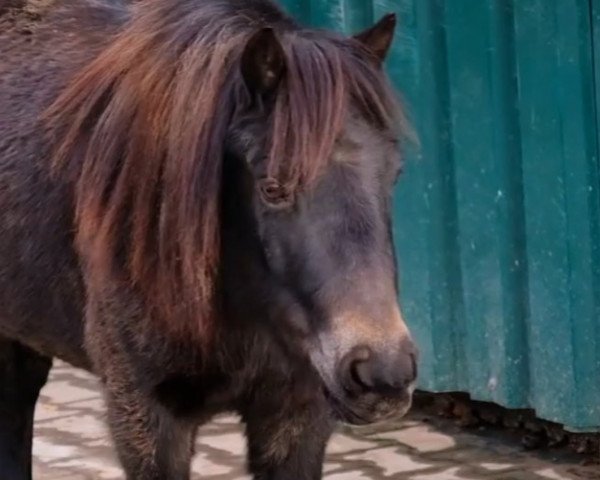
(72, 443)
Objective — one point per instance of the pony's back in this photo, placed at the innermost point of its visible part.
(42, 45)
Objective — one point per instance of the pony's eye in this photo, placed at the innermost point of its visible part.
(274, 194)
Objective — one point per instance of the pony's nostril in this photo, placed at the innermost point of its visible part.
(361, 375)
(355, 369)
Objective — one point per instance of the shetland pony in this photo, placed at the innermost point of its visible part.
(195, 205)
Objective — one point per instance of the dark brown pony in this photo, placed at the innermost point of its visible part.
(195, 205)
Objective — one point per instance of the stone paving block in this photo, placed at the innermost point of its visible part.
(348, 476)
(46, 450)
(343, 444)
(560, 473)
(230, 442)
(95, 404)
(466, 453)
(331, 466)
(49, 411)
(544, 474)
(453, 473)
(381, 427)
(496, 467)
(421, 438)
(103, 469)
(202, 463)
(391, 460)
(61, 391)
(83, 425)
(550, 473)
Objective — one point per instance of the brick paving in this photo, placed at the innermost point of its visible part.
(72, 443)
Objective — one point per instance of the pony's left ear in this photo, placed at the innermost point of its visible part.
(378, 38)
(263, 62)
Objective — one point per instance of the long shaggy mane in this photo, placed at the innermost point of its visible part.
(141, 131)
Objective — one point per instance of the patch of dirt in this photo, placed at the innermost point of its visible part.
(522, 425)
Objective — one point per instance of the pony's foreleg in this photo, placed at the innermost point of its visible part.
(151, 443)
(286, 438)
(23, 373)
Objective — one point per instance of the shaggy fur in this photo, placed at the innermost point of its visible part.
(195, 206)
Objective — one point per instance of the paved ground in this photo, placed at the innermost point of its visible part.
(72, 444)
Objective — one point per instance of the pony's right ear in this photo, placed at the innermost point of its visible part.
(263, 62)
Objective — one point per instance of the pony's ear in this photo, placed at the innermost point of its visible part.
(263, 62)
(378, 38)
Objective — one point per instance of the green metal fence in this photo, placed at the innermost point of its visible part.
(497, 217)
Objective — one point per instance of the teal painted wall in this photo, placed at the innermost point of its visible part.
(497, 219)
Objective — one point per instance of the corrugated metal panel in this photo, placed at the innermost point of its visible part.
(497, 218)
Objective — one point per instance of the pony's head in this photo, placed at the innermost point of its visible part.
(224, 156)
(316, 153)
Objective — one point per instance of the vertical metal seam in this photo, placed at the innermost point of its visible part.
(451, 271)
(505, 88)
(595, 37)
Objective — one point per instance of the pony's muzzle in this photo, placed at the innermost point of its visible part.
(363, 371)
(368, 363)
(377, 384)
